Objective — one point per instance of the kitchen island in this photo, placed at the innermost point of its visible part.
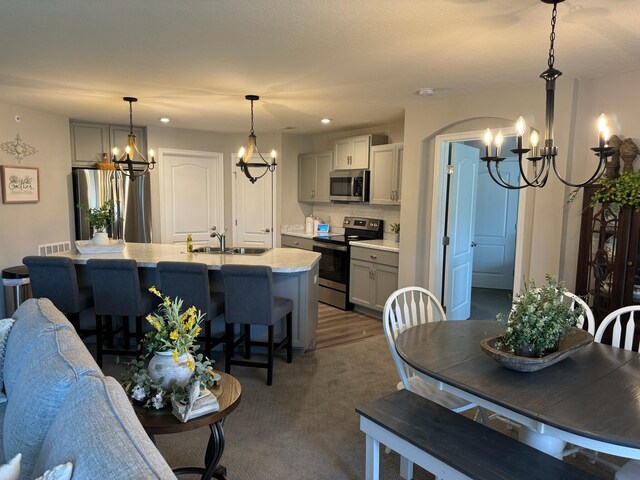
(295, 276)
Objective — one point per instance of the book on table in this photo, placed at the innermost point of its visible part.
(204, 404)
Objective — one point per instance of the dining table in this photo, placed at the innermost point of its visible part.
(590, 399)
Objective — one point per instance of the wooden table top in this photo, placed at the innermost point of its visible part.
(158, 422)
(595, 393)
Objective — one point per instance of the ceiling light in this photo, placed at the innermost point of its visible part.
(425, 92)
(543, 158)
(326, 120)
(245, 155)
(129, 158)
(165, 119)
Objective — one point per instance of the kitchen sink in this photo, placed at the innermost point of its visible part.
(232, 250)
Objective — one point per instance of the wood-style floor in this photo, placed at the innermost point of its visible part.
(337, 327)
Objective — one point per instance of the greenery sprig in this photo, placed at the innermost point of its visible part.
(99, 218)
(624, 190)
(538, 318)
(395, 227)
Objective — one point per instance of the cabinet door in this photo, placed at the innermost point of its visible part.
(89, 141)
(385, 282)
(360, 151)
(342, 157)
(360, 278)
(382, 175)
(324, 165)
(398, 173)
(306, 177)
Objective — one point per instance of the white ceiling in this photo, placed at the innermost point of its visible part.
(356, 61)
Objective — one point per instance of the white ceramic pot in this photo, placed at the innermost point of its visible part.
(172, 373)
(397, 237)
(100, 238)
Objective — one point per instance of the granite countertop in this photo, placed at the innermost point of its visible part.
(281, 260)
(381, 244)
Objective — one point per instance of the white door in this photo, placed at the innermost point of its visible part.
(253, 208)
(191, 194)
(495, 229)
(459, 258)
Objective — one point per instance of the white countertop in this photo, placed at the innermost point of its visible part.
(281, 260)
(381, 244)
(311, 235)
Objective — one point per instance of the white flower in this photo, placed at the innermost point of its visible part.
(157, 401)
(138, 393)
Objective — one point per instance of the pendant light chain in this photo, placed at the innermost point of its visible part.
(130, 117)
(552, 36)
(252, 117)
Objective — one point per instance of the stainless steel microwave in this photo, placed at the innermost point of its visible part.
(349, 186)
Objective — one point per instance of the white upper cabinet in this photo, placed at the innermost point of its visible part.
(386, 174)
(353, 152)
(313, 177)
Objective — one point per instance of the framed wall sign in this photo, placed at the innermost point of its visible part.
(20, 184)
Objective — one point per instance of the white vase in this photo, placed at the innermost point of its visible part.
(163, 367)
(398, 237)
(100, 238)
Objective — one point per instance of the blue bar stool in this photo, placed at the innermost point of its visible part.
(117, 292)
(249, 300)
(55, 278)
(190, 282)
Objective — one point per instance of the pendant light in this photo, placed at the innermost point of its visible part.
(132, 157)
(245, 155)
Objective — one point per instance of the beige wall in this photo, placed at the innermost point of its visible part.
(25, 226)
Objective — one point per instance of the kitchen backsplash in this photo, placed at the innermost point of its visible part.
(334, 214)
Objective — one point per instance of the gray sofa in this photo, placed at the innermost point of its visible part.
(61, 408)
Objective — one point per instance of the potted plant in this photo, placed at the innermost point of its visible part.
(170, 369)
(100, 219)
(539, 317)
(624, 191)
(395, 228)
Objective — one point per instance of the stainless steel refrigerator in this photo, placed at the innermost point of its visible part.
(131, 199)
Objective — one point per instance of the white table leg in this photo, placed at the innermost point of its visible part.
(406, 468)
(372, 463)
(545, 443)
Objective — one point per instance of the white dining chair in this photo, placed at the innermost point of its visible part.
(406, 308)
(574, 300)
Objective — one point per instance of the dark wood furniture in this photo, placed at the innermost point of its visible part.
(452, 444)
(159, 422)
(608, 257)
(587, 399)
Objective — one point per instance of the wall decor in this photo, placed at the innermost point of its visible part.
(20, 184)
(18, 148)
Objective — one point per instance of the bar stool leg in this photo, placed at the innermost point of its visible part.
(247, 341)
(126, 332)
(138, 335)
(99, 338)
(228, 351)
(270, 356)
(109, 330)
(289, 338)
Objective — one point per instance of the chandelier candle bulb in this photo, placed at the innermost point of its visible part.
(499, 140)
(488, 138)
(533, 140)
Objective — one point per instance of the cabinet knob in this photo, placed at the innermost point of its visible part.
(629, 264)
(296, 243)
(373, 256)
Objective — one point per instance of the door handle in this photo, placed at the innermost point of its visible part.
(473, 244)
(371, 274)
(267, 230)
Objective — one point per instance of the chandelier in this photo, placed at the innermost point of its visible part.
(542, 159)
(245, 155)
(129, 159)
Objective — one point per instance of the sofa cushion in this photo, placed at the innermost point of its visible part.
(5, 328)
(106, 441)
(44, 360)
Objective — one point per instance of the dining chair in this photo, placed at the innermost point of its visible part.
(406, 308)
(575, 300)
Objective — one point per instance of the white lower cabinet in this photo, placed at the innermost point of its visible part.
(373, 277)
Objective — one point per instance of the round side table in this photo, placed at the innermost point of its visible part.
(159, 422)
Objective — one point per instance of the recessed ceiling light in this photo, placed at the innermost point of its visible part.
(165, 119)
(425, 92)
(326, 120)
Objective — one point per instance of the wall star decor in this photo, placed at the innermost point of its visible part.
(20, 184)
(18, 148)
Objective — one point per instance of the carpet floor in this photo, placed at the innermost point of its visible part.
(305, 425)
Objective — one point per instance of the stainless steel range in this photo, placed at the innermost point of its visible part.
(334, 264)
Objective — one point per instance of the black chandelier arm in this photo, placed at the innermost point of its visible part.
(597, 174)
(540, 177)
(499, 180)
(507, 184)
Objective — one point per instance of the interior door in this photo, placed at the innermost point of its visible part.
(191, 194)
(495, 229)
(459, 258)
(253, 208)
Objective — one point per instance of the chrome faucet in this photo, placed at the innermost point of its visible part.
(220, 236)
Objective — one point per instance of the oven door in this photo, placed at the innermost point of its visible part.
(334, 265)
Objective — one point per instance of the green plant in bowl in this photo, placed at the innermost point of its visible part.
(99, 218)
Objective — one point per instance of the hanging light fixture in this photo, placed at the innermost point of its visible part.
(245, 155)
(543, 159)
(128, 159)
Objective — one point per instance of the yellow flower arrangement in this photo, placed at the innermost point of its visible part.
(173, 331)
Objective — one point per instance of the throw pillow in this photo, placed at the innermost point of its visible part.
(60, 472)
(5, 328)
(11, 470)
